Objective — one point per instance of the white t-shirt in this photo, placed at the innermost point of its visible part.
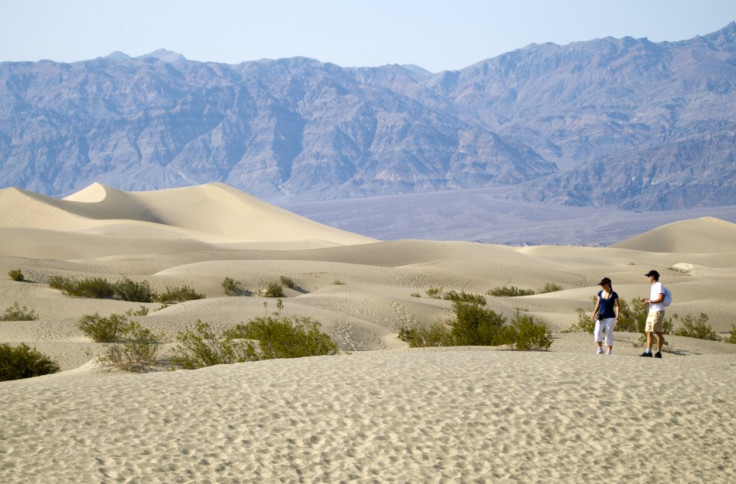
(654, 293)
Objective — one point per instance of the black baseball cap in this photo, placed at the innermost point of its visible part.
(652, 273)
(605, 280)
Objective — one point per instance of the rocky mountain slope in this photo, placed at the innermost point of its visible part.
(610, 122)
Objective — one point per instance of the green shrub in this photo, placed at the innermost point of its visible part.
(205, 347)
(338, 282)
(233, 287)
(103, 330)
(18, 313)
(285, 337)
(174, 295)
(434, 293)
(510, 291)
(693, 327)
(731, 336)
(273, 289)
(128, 290)
(475, 325)
(94, 287)
(526, 334)
(16, 275)
(23, 361)
(551, 287)
(465, 297)
(288, 282)
(436, 334)
(136, 351)
(58, 282)
(142, 311)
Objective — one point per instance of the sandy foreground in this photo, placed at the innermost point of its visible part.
(380, 412)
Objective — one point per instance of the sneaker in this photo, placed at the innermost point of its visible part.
(599, 351)
(608, 352)
(658, 355)
(648, 355)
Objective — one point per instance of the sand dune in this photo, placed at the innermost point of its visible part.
(379, 412)
(704, 235)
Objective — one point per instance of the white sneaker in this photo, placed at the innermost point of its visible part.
(608, 352)
(599, 352)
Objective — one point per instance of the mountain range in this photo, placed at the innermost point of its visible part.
(621, 123)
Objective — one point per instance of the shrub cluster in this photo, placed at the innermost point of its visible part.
(130, 346)
(288, 282)
(93, 287)
(551, 287)
(260, 339)
(103, 330)
(22, 361)
(731, 338)
(204, 346)
(234, 288)
(477, 326)
(136, 349)
(696, 327)
(125, 289)
(285, 337)
(510, 291)
(16, 275)
(178, 294)
(463, 296)
(18, 313)
(273, 289)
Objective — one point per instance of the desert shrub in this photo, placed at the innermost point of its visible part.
(128, 290)
(136, 351)
(731, 338)
(436, 334)
(206, 347)
(91, 287)
(510, 291)
(415, 294)
(58, 282)
(551, 287)
(18, 313)
(22, 361)
(288, 282)
(338, 282)
(696, 327)
(526, 334)
(434, 292)
(273, 289)
(16, 275)
(173, 295)
(103, 330)
(233, 287)
(463, 296)
(475, 325)
(285, 337)
(141, 311)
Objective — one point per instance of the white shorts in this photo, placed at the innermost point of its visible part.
(608, 324)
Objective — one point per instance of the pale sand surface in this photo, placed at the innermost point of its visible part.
(381, 413)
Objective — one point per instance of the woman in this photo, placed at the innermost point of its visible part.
(605, 315)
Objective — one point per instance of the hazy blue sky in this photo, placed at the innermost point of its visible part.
(434, 34)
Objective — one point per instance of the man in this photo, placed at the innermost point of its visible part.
(655, 318)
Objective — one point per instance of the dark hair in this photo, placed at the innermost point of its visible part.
(654, 274)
